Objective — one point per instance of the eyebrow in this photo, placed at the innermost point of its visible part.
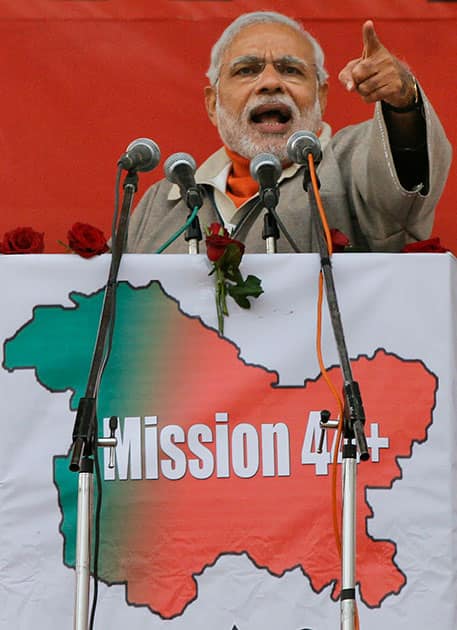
(244, 59)
(255, 58)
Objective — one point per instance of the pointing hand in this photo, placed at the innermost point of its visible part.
(378, 75)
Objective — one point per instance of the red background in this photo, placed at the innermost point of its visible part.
(82, 78)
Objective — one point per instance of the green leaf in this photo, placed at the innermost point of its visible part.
(233, 274)
(251, 287)
(254, 286)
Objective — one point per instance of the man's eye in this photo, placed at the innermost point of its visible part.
(247, 70)
(292, 70)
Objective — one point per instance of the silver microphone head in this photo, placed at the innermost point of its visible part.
(142, 154)
(301, 144)
(267, 159)
(175, 160)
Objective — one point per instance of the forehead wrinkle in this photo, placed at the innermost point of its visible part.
(292, 59)
(256, 59)
(245, 59)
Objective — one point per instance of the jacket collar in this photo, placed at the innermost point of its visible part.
(214, 171)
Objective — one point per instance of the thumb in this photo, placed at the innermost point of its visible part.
(371, 43)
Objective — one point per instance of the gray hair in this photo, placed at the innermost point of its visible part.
(261, 17)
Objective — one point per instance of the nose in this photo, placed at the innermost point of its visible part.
(269, 80)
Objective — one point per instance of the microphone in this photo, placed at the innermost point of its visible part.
(180, 169)
(142, 155)
(266, 169)
(301, 144)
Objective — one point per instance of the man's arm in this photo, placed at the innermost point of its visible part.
(378, 76)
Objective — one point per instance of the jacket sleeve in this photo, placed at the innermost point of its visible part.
(390, 215)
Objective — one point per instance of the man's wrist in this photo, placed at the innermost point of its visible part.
(414, 105)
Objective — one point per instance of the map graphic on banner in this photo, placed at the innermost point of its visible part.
(214, 456)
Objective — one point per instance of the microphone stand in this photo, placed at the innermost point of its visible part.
(193, 235)
(270, 232)
(84, 437)
(353, 424)
(194, 201)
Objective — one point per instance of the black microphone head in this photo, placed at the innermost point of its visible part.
(180, 169)
(142, 154)
(301, 144)
(176, 160)
(265, 159)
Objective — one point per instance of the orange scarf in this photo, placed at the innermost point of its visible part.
(240, 185)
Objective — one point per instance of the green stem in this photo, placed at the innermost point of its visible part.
(221, 303)
(220, 314)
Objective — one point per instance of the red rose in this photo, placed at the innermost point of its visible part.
(226, 253)
(339, 240)
(216, 229)
(86, 240)
(22, 240)
(217, 242)
(431, 245)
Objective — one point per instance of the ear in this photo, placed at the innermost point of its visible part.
(322, 95)
(210, 102)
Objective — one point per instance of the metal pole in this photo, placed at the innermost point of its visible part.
(83, 542)
(354, 419)
(193, 235)
(348, 538)
(270, 232)
(85, 428)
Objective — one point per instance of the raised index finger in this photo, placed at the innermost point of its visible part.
(371, 43)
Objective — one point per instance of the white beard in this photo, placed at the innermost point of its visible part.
(241, 136)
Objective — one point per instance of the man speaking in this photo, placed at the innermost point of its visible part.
(380, 179)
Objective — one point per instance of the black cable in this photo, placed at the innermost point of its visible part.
(98, 511)
(281, 225)
(106, 354)
(286, 234)
(242, 221)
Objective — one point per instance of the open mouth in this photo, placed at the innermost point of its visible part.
(271, 116)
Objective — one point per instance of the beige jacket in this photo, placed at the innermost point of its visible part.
(361, 194)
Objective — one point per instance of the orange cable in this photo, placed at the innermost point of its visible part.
(327, 379)
(320, 206)
(336, 524)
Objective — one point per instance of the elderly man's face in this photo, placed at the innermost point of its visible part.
(267, 89)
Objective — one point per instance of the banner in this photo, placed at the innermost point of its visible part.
(209, 9)
(218, 512)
